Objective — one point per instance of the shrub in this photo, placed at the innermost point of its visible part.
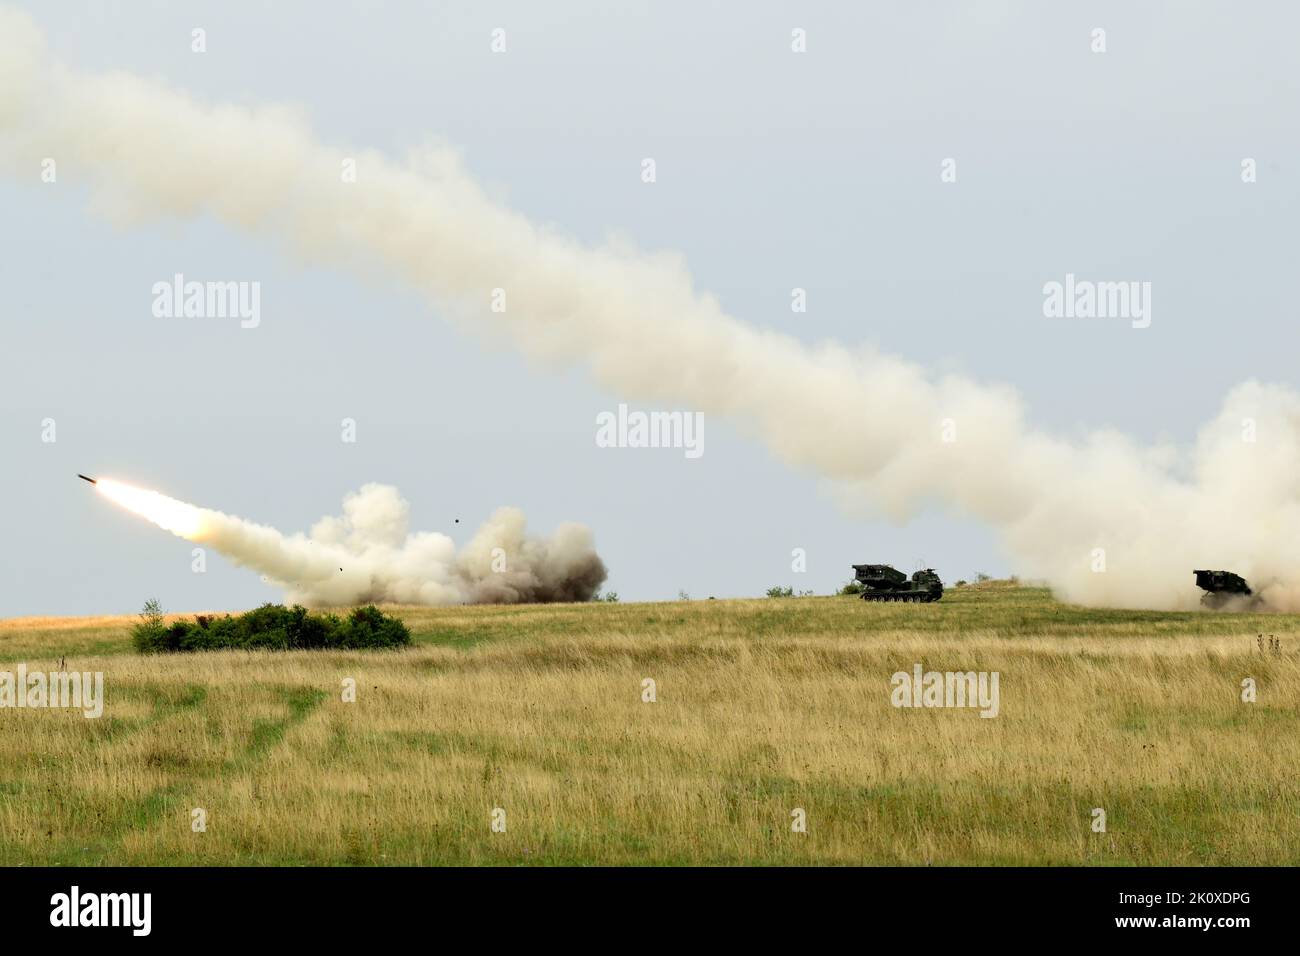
(779, 592)
(271, 627)
(853, 587)
(149, 632)
(370, 627)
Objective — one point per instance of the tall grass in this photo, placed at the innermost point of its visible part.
(762, 707)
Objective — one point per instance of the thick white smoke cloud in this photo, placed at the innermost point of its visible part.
(867, 421)
(369, 554)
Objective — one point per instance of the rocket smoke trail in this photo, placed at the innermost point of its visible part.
(369, 555)
(636, 322)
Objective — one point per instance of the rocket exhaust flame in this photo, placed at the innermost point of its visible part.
(368, 555)
(181, 519)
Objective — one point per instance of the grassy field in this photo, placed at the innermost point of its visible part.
(763, 706)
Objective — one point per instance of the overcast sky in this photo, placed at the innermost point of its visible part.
(775, 170)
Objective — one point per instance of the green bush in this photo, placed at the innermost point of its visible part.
(270, 627)
(370, 627)
(148, 634)
(779, 592)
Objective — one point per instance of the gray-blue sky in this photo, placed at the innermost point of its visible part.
(775, 170)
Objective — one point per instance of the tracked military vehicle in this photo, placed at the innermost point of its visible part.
(880, 582)
(1220, 587)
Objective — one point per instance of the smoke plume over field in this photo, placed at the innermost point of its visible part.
(870, 423)
(368, 554)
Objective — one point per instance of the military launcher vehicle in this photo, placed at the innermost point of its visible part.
(880, 582)
(1220, 587)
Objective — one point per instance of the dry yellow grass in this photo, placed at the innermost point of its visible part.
(763, 707)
